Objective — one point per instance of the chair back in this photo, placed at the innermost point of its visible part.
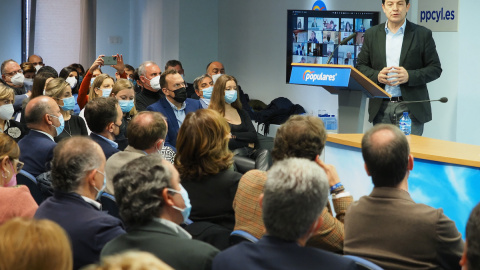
(238, 236)
(27, 179)
(363, 264)
(109, 204)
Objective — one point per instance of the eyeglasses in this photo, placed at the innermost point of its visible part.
(13, 73)
(19, 165)
(37, 63)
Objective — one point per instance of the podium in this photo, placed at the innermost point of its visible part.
(351, 86)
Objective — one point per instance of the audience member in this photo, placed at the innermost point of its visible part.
(104, 117)
(29, 73)
(48, 69)
(203, 89)
(12, 76)
(45, 120)
(243, 141)
(146, 132)
(97, 88)
(41, 79)
(294, 197)
(27, 244)
(78, 178)
(129, 70)
(387, 227)
(471, 253)
(123, 91)
(174, 105)
(301, 137)
(177, 65)
(15, 201)
(8, 126)
(70, 75)
(205, 166)
(130, 260)
(152, 202)
(215, 69)
(36, 61)
(60, 91)
(149, 75)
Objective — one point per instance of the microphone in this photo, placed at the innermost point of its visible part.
(343, 42)
(442, 100)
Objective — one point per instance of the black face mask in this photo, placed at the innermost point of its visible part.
(180, 95)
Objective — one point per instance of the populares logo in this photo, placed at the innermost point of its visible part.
(309, 75)
(319, 5)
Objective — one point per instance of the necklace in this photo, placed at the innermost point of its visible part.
(69, 132)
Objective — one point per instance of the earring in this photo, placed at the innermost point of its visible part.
(3, 174)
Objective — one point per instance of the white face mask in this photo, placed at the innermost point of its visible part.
(18, 79)
(215, 77)
(72, 81)
(155, 82)
(6, 111)
(38, 67)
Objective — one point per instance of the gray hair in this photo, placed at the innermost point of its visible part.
(197, 80)
(295, 194)
(138, 188)
(73, 159)
(141, 68)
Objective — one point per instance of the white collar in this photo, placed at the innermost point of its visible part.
(93, 202)
(174, 226)
(43, 132)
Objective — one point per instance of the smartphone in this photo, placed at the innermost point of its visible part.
(109, 60)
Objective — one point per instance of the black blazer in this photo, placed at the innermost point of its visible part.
(108, 150)
(212, 197)
(36, 151)
(160, 240)
(88, 228)
(418, 56)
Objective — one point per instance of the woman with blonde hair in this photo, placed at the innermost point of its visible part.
(61, 92)
(15, 201)
(9, 126)
(27, 244)
(205, 166)
(130, 260)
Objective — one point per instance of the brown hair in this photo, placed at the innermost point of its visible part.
(8, 147)
(27, 67)
(217, 101)
(145, 129)
(163, 77)
(34, 244)
(300, 136)
(6, 92)
(97, 83)
(123, 84)
(202, 145)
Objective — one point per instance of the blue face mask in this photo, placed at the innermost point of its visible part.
(106, 92)
(100, 191)
(188, 207)
(207, 92)
(230, 96)
(126, 105)
(91, 81)
(80, 79)
(59, 129)
(68, 103)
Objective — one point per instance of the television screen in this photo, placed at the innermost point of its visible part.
(313, 35)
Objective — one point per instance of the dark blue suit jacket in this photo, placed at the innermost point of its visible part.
(36, 151)
(165, 108)
(274, 253)
(108, 150)
(89, 229)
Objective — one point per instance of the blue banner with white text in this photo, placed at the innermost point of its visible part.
(321, 76)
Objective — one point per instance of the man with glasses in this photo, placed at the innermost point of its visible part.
(175, 105)
(45, 121)
(12, 76)
(104, 118)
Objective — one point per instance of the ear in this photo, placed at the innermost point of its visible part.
(91, 177)
(318, 224)
(110, 127)
(4, 163)
(366, 169)
(410, 162)
(260, 200)
(197, 92)
(158, 144)
(48, 119)
(167, 198)
(463, 260)
(98, 91)
(165, 91)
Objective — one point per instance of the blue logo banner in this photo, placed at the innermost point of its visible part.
(321, 76)
(319, 5)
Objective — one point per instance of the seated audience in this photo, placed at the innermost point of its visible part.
(294, 197)
(302, 137)
(12, 76)
(203, 88)
(174, 105)
(9, 126)
(45, 121)
(27, 244)
(205, 166)
(149, 80)
(78, 179)
(387, 227)
(61, 92)
(243, 141)
(147, 132)
(104, 118)
(177, 65)
(471, 253)
(36, 61)
(130, 260)
(71, 76)
(38, 89)
(29, 73)
(15, 201)
(153, 204)
(124, 93)
(48, 69)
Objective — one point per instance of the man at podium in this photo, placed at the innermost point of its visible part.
(400, 56)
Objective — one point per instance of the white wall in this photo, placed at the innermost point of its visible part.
(11, 22)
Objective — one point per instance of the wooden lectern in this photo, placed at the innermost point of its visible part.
(351, 86)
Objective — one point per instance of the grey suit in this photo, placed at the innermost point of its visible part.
(391, 230)
(117, 161)
(162, 241)
(418, 56)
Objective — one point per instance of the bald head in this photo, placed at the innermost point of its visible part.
(146, 129)
(215, 68)
(37, 108)
(386, 153)
(36, 60)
